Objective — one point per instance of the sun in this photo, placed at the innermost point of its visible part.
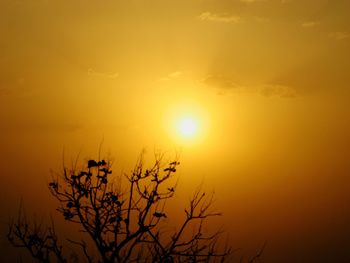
(187, 127)
(186, 124)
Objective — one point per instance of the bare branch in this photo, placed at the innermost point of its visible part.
(123, 225)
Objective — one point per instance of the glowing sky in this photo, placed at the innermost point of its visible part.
(263, 83)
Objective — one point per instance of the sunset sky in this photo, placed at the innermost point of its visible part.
(252, 95)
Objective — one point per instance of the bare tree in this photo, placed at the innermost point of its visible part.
(123, 225)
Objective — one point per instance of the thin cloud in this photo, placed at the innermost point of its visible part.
(251, 1)
(220, 82)
(277, 91)
(175, 74)
(43, 127)
(257, 1)
(339, 35)
(220, 18)
(261, 19)
(172, 76)
(310, 24)
(92, 72)
(226, 85)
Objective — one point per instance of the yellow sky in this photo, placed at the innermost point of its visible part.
(268, 81)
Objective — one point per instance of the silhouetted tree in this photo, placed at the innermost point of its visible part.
(123, 225)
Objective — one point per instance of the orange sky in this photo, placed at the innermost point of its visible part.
(267, 80)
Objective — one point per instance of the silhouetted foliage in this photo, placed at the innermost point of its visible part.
(123, 226)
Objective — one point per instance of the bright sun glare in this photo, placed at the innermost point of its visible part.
(187, 127)
(186, 123)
